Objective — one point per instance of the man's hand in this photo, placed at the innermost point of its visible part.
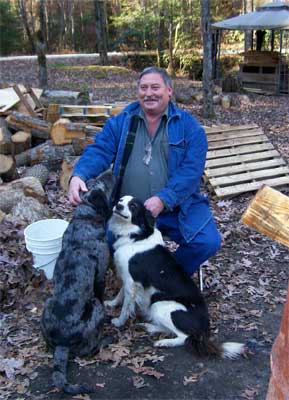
(154, 205)
(76, 186)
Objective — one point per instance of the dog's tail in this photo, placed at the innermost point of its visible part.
(202, 346)
(59, 375)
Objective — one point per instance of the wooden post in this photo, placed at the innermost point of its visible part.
(279, 360)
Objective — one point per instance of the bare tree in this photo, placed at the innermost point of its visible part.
(160, 40)
(23, 12)
(41, 58)
(101, 30)
(171, 66)
(208, 108)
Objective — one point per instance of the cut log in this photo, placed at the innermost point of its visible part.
(80, 143)
(13, 192)
(27, 123)
(63, 131)
(21, 141)
(38, 171)
(66, 170)
(5, 138)
(7, 168)
(268, 213)
(91, 130)
(46, 153)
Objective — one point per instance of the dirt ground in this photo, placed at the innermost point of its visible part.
(245, 287)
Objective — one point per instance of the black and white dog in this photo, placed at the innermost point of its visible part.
(152, 280)
(73, 317)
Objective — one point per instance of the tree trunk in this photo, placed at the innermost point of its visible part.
(208, 108)
(248, 43)
(160, 43)
(61, 24)
(41, 57)
(171, 67)
(49, 22)
(23, 13)
(101, 30)
(42, 20)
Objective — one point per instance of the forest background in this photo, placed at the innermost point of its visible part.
(167, 32)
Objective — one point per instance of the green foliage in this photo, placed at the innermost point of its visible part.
(135, 26)
(10, 34)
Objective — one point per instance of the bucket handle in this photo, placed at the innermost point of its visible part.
(50, 261)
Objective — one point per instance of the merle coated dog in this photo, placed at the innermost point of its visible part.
(166, 296)
(73, 317)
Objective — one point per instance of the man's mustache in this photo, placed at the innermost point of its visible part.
(150, 98)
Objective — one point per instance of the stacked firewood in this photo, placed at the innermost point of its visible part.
(35, 146)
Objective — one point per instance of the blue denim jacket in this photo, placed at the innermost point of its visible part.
(187, 156)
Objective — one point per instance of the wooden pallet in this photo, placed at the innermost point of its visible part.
(242, 159)
(91, 112)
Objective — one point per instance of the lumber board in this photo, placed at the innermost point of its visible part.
(232, 135)
(238, 142)
(247, 176)
(239, 150)
(229, 128)
(244, 167)
(241, 158)
(230, 191)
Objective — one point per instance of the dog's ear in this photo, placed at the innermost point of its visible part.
(149, 221)
(97, 199)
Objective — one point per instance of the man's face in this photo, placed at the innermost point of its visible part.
(153, 94)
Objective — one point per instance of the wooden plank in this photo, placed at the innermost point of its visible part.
(221, 144)
(229, 128)
(25, 102)
(249, 176)
(237, 159)
(248, 187)
(33, 95)
(239, 150)
(232, 135)
(244, 167)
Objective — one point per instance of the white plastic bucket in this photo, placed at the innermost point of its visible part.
(44, 240)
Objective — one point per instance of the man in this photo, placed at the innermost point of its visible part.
(164, 168)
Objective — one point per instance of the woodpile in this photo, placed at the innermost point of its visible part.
(35, 141)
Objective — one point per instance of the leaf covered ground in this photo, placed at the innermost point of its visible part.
(245, 283)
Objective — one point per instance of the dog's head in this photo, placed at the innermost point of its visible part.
(104, 182)
(99, 193)
(130, 217)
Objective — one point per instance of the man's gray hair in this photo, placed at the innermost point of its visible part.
(156, 70)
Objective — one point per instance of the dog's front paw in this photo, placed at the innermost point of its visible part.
(117, 322)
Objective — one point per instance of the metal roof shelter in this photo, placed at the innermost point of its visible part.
(270, 16)
(273, 16)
